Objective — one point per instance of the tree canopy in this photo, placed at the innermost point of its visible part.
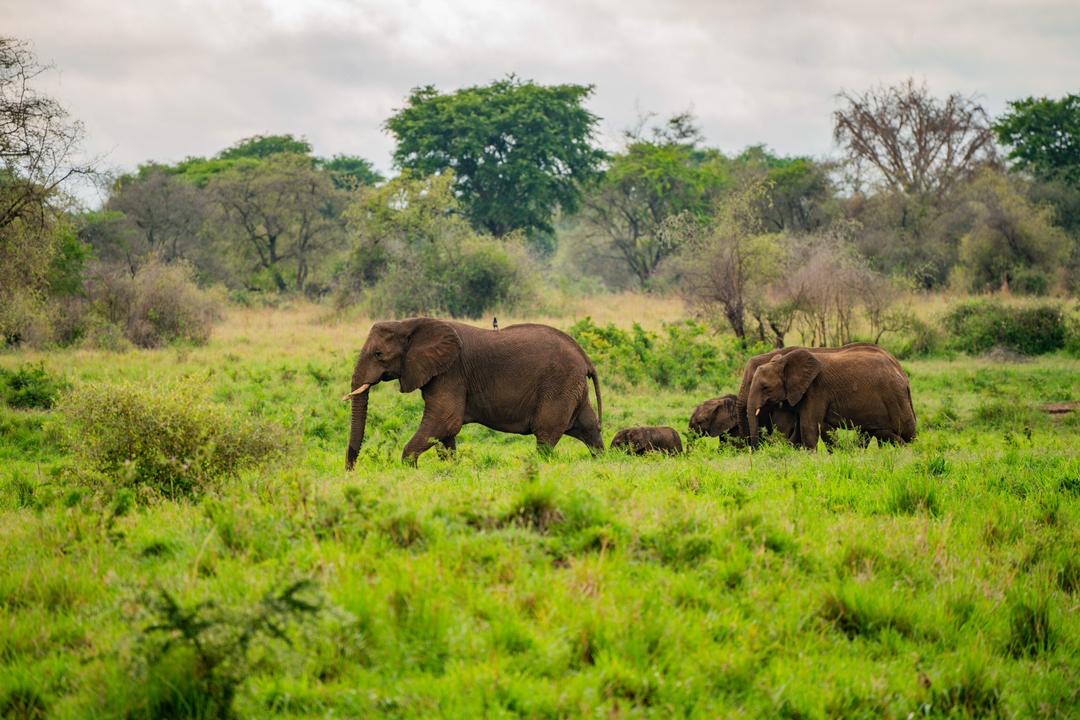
(1043, 135)
(519, 150)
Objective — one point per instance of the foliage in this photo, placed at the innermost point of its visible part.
(497, 583)
(1043, 135)
(280, 215)
(157, 305)
(351, 172)
(198, 656)
(518, 150)
(800, 191)
(151, 212)
(1011, 244)
(30, 386)
(976, 326)
(684, 357)
(727, 261)
(413, 254)
(169, 439)
(261, 147)
(644, 185)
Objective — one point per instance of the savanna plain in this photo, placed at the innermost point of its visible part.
(939, 579)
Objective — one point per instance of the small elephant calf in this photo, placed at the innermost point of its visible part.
(640, 440)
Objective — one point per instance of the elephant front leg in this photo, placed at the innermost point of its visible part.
(809, 431)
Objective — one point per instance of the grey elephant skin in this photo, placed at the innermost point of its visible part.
(858, 388)
(526, 379)
(645, 439)
(719, 417)
(757, 361)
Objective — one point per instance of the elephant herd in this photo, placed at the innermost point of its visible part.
(532, 379)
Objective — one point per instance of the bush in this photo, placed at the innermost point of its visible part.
(158, 305)
(979, 325)
(171, 440)
(30, 387)
(686, 358)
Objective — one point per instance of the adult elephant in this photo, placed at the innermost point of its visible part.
(719, 417)
(757, 361)
(863, 389)
(526, 379)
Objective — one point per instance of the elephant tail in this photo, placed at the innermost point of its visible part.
(596, 387)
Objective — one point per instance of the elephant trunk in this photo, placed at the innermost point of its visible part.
(753, 408)
(359, 423)
(359, 398)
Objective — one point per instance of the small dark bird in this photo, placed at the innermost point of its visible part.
(494, 322)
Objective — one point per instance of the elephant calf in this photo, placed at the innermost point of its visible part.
(719, 417)
(640, 440)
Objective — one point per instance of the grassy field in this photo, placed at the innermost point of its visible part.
(938, 579)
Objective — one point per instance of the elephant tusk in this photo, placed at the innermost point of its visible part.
(757, 412)
(363, 388)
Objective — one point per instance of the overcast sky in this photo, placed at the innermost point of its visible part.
(162, 80)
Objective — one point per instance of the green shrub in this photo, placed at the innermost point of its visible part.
(30, 387)
(686, 356)
(169, 439)
(979, 325)
(159, 304)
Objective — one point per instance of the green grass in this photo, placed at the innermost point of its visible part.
(938, 579)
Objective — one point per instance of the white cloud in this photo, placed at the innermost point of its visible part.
(163, 80)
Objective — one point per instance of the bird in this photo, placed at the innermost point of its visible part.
(494, 322)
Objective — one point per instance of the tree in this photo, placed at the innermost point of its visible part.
(261, 147)
(350, 172)
(282, 213)
(519, 151)
(800, 198)
(414, 254)
(165, 214)
(727, 261)
(1044, 136)
(38, 144)
(1011, 244)
(916, 143)
(642, 187)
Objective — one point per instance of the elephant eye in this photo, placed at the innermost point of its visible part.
(378, 354)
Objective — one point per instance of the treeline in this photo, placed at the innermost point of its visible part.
(503, 191)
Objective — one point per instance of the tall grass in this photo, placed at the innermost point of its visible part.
(932, 580)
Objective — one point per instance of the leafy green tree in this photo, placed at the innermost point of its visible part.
(519, 151)
(282, 215)
(351, 171)
(263, 146)
(1043, 135)
(164, 213)
(801, 193)
(1011, 244)
(415, 253)
(644, 185)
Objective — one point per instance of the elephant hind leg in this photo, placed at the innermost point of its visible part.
(586, 428)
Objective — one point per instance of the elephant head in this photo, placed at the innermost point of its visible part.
(716, 417)
(410, 351)
(785, 378)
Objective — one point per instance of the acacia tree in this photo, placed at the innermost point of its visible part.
(283, 212)
(916, 143)
(727, 261)
(519, 151)
(647, 183)
(164, 215)
(38, 144)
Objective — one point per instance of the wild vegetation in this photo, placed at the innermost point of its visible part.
(180, 539)
(936, 579)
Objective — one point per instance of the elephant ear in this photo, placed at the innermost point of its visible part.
(725, 418)
(433, 347)
(800, 369)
